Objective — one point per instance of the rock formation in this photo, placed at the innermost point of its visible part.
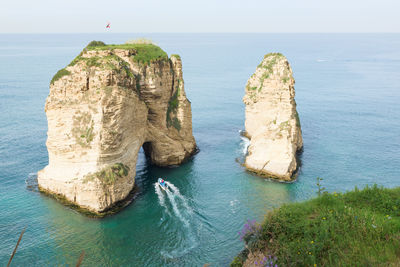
(272, 122)
(102, 108)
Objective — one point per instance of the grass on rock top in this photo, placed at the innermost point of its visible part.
(59, 75)
(176, 55)
(358, 228)
(145, 52)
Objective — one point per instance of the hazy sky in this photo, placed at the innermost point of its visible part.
(53, 16)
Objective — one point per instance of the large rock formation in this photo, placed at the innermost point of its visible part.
(272, 122)
(102, 108)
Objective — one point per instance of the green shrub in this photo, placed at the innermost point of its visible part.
(237, 262)
(147, 53)
(96, 43)
(93, 62)
(61, 73)
(285, 79)
(240, 258)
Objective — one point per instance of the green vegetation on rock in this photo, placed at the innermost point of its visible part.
(284, 126)
(109, 174)
(93, 62)
(75, 60)
(276, 55)
(176, 123)
(357, 228)
(272, 59)
(82, 130)
(176, 55)
(173, 104)
(297, 120)
(145, 52)
(61, 73)
(112, 62)
(116, 63)
(95, 44)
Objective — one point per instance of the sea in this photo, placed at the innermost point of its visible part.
(347, 94)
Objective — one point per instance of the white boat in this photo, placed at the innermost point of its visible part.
(162, 184)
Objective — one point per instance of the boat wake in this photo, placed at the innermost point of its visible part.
(177, 193)
(176, 207)
(176, 201)
(161, 198)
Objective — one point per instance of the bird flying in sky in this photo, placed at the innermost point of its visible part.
(108, 25)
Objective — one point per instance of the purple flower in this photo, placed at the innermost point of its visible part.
(256, 263)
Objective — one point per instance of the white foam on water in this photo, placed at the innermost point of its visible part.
(161, 197)
(178, 194)
(245, 144)
(234, 205)
(183, 212)
(175, 208)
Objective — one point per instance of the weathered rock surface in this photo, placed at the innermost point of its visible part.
(102, 108)
(272, 122)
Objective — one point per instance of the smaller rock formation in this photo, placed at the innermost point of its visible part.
(272, 122)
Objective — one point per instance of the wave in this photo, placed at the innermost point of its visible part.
(161, 198)
(175, 208)
(244, 144)
(178, 194)
(183, 212)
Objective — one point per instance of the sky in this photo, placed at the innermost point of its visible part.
(88, 16)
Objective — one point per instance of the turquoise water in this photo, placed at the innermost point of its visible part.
(347, 92)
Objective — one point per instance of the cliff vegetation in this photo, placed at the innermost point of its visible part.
(357, 228)
(144, 52)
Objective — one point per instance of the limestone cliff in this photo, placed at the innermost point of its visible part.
(272, 122)
(102, 108)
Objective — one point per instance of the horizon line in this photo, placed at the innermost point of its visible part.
(200, 32)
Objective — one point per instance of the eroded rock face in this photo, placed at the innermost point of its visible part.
(272, 122)
(102, 108)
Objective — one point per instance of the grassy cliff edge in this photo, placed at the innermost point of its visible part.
(357, 228)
